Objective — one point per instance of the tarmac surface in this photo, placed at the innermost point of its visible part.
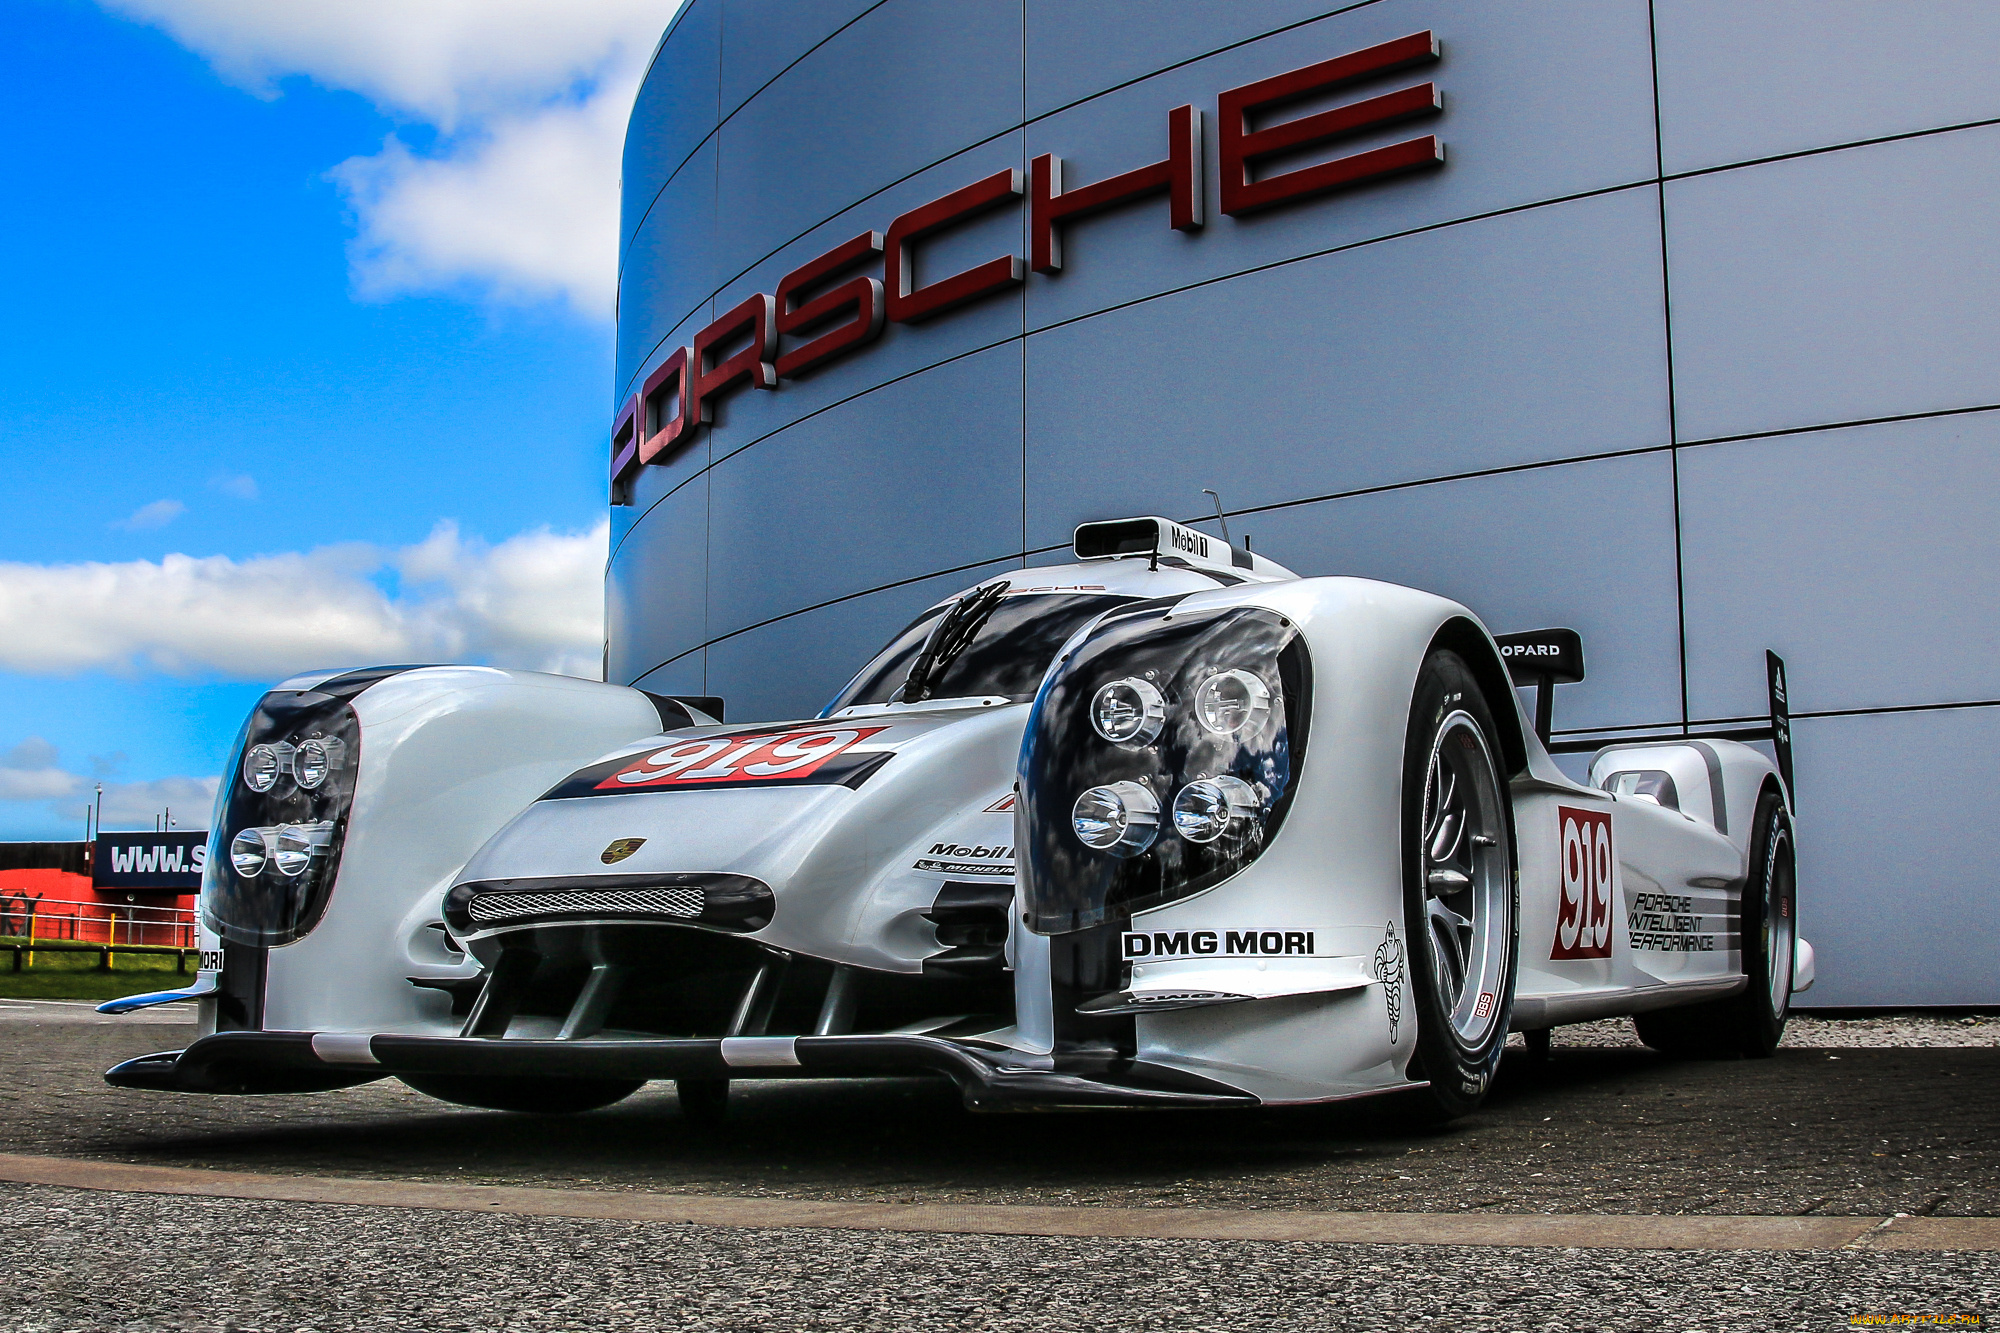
(1851, 1126)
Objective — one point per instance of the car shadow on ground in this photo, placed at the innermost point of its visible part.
(785, 1131)
(1615, 1129)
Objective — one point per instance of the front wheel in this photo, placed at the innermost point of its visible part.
(1753, 1022)
(534, 1096)
(1460, 900)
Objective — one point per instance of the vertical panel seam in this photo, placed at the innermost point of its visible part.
(1667, 342)
(708, 438)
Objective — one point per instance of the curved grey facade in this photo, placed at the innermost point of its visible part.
(1692, 343)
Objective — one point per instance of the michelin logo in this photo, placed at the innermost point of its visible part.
(950, 858)
(1223, 943)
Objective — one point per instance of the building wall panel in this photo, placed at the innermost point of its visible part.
(1586, 546)
(1541, 102)
(792, 667)
(1745, 81)
(655, 482)
(1078, 48)
(902, 349)
(669, 266)
(1864, 557)
(674, 111)
(656, 587)
(918, 476)
(760, 38)
(1896, 841)
(1457, 380)
(911, 83)
(1846, 286)
(1516, 339)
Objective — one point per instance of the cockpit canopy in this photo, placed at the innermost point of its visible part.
(996, 641)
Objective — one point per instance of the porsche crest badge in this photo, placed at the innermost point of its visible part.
(621, 849)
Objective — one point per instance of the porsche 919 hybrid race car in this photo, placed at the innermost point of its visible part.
(1166, 826)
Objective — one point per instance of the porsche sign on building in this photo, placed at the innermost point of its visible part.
(1671, 323)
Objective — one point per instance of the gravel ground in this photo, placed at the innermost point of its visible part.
(87, 1261)
(1849, 1130)
(1811, 1032)
(1856, 1116)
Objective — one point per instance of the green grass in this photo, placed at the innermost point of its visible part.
(74, 976)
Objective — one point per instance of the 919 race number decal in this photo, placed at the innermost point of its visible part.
(1583, 917)
(785, 756)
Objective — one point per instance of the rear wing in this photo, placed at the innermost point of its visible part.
(1545, 658)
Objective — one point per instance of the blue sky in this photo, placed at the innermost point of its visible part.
(240, 328)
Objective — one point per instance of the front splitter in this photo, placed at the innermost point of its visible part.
(989, 1080)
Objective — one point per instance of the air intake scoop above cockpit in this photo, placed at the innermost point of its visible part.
(1171, 543)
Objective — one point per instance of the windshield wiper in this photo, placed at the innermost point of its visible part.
(950, 637)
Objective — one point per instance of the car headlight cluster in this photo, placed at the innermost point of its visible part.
(1122, 818)
(1129, 712)
(1160, 759)
(288, 849)
(275, 845)
(309, 763)
(1207, 808)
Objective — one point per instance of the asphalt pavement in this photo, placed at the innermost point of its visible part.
(89, 1260)
(1855, 1129)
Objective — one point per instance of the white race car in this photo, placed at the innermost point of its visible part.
(1167, 826)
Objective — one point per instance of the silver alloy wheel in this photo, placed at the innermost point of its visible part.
(1780, 926)
(1467, 878)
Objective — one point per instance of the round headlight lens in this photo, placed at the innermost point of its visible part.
(292, 852)
(1206, 808)
(312, 763)
(260, 768)
(1231, 701)
(247, 852)
(1122, 818)
(1128, 712)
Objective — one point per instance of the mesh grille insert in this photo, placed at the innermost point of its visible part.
(683, 903)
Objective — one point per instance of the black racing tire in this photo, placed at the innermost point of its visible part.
(1753, 1022)
(1464, 942)
(704, 1101)
(532, 1096)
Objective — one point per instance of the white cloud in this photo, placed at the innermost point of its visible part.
(443, 60)
(148, 516)
(529, 98)
(529, 212)
(188, 801)
(534, 600)
(32, 772)
(243, 486)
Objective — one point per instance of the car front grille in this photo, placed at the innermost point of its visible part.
(490, 908)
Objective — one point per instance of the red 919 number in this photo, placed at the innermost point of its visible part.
(1583, 918)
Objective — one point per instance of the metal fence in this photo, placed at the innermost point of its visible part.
(32, 917)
